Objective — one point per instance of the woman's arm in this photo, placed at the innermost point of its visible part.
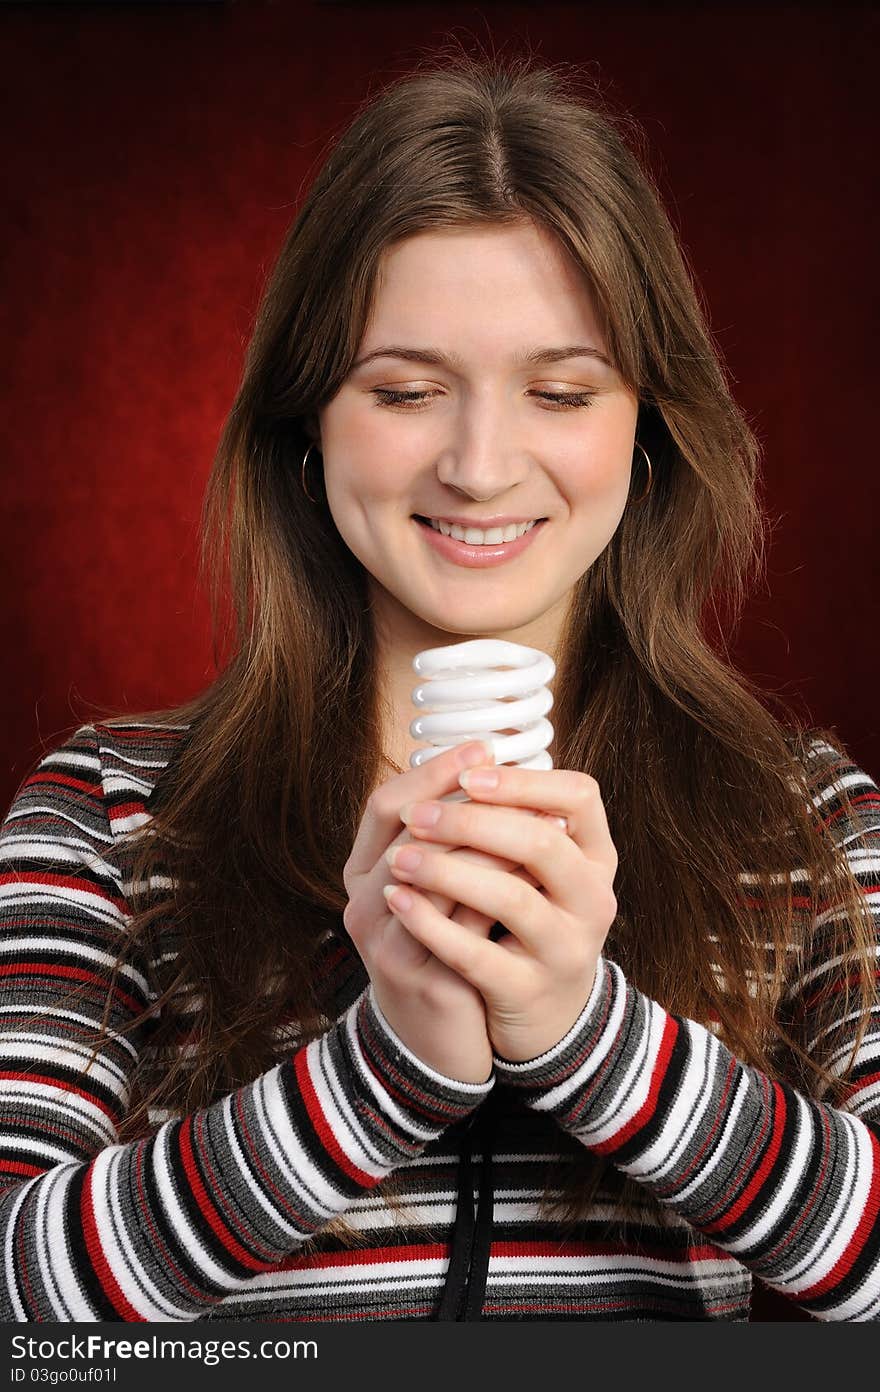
(788, 1184)
(163, 1228)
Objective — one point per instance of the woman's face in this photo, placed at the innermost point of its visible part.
(479, 435)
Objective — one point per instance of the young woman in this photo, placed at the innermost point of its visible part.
(611, 1069)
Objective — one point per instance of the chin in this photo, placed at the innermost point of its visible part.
(473, 622)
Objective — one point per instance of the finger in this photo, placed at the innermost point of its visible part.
(542, 848)
(432, 779)
(458, 911)
(476, 959)
(445, 848)
(555, 792)
(499, 897)
(468, 918)
(472, 918)
(397, 950)
(445, 905)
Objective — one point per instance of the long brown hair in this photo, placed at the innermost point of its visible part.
(258, 811)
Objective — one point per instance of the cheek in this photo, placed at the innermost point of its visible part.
(360, 453)
(365, 463)
(599, 449)
(602, 470)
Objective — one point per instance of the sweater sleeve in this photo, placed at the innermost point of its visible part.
(166, 1227)
(785, 1182)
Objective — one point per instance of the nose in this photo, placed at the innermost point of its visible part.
(482, 461)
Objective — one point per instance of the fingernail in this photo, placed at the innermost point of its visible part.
(471, 754)
(479, 778)
(421, 814)
(397, 898)
(403, 857)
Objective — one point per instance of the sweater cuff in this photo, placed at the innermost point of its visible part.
(545, 1082)
(401, 1101)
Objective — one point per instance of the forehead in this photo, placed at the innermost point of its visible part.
(501, 277)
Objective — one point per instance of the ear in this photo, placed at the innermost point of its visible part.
(312, 429)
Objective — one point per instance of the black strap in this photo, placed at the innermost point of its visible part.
(482, 1241)
(455, 1287)
(465, 1288)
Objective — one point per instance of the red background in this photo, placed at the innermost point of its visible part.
(159, 154)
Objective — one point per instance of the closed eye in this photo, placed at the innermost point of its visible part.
(567, 399)
(413, 399)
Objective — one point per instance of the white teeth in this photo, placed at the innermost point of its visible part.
(475, 537)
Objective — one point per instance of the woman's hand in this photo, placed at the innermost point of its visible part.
(439, 1016)
(536, 979)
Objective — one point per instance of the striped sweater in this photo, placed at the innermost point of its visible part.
(205, 1219)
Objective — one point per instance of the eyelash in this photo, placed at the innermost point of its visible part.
(562, 400)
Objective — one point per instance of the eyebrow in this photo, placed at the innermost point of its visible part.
(452, 360)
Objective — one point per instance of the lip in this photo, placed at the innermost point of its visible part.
(478, 557)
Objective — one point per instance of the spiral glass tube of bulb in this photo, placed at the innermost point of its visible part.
(484, 689)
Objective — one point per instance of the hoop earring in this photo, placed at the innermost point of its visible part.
(305, 490)
(644, 495)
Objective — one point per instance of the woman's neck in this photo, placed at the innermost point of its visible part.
(398, 711)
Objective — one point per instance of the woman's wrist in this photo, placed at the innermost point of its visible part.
(540, 1074)
(396, 1080)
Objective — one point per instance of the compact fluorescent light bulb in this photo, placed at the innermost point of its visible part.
(485, 689)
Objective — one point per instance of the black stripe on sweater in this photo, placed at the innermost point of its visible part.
(81, 1260)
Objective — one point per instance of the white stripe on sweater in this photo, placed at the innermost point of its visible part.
(56, 814)
(51, 1218)
(153, 1306)
(313, 1193)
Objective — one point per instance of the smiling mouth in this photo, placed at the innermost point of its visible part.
(427, 522)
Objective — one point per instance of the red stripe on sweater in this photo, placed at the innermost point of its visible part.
(109, 1284)
(831, 989)
(755, 901)
(50, 969)
(432, 1251)
(18, 1167)
(322, 1126)
(867, 1223)
(391, 1079)
(66, 781)
(206, 1205)
(864, 1081)
(648, 1108)
(19, 1077)
(373, 1256)
(737, 1209)
(126, 809)
(44, 878)
(869, 797)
